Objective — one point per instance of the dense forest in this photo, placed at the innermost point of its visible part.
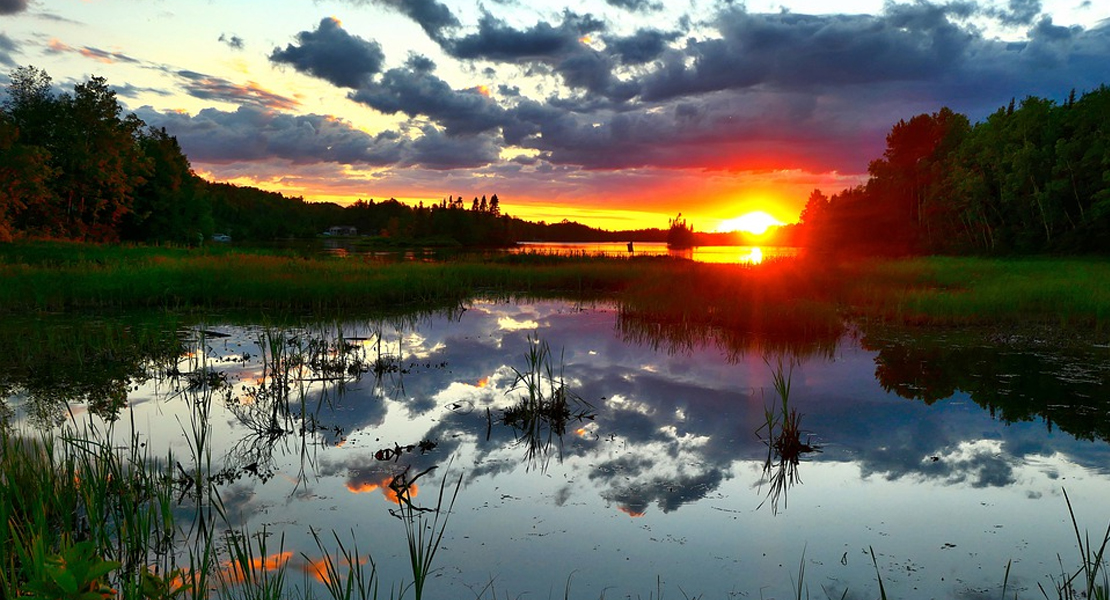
(1030, 178)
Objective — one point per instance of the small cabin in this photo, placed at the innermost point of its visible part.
(342, 230)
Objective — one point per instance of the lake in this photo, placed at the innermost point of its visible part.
(945, 454)
(708, 254)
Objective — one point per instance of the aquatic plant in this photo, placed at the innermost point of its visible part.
(1091, 580)
(783, 438)
(546, 405)
(360, 582)
(424, 536)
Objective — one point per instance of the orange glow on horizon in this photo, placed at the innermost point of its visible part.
(718, 202)
(756, 222)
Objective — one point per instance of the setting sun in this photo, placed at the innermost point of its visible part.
(754, 222)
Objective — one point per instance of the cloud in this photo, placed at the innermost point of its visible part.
(414, 90)
(128, 90)
(7, 48)
(432, 16)
(641, 47)
(1018, 12)
(636, 5)
(252, 133)
(496, 40)
(333, 55)
(910, 42)
(435, 150)
(55, 46)
(233, 41)
(561, 47)
(208, 87)
(10, 7)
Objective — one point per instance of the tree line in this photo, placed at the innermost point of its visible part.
(74, 166)
(1032, 177)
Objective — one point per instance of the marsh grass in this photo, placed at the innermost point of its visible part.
(1058, 292)
(778, 298)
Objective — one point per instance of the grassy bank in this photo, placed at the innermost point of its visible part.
(792, 296)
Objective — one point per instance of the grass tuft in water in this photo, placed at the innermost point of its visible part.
(782, 433)
(424, 534)
(546, 406)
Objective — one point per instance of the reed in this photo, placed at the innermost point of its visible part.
(423, 534)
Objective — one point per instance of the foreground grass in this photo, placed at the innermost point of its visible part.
(779, 297)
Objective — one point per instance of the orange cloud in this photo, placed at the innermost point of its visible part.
(383, 485)
(232, 571)
(318, 569)
(632, 513)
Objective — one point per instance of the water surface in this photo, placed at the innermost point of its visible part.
(945, 455)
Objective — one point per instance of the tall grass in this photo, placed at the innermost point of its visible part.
(782, 297)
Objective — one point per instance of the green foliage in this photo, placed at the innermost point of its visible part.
(1026, 179)
(76, 573)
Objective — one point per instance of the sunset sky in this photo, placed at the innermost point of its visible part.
(613, 113)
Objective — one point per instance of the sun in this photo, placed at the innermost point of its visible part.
(757, 222)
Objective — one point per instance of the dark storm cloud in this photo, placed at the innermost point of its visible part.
(233, 41)
(496, 40)
(909, 42)
(10, 7)
(435, 150)
(253, 134)
(433, 17)
(415, 91)
(643, 46)
(7, 48)
(333, 55)
(560, 48)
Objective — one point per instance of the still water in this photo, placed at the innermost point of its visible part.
(946, 457)
(708, 254)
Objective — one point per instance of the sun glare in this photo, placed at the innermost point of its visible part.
(757, 222)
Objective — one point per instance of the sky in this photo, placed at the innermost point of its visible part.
(614, 113)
